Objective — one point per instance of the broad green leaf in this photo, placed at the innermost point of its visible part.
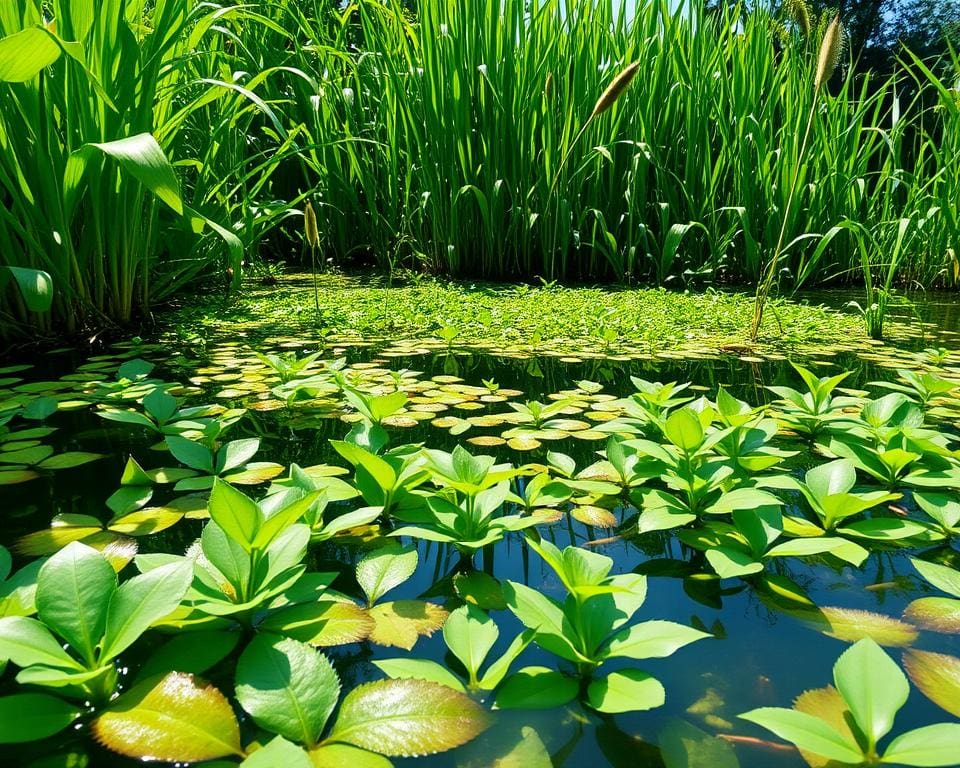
(69, 460)
(536, 688)
(684, 430)
(385, 568)
(873, 687)
(419, 669)
(480, 589)
(278, 752)
(470, 634)
(191, 453)
(540, 613)
(341, 755)
(176, 719)
(26, 642)
(937, 675)
(35, 285)
(528, 752)
(832, 478)
(142, 157)
(236, 453)
(652, 640)
(732, 563)
(141, 601)
(942, 577)
(627, 690)
(807, 732)
(236, 513)
(74, 590)
(287, 687)
(933, 745)
(33, 716)
(6, 563)
(404, 718)
(683, 745)
(23, 54)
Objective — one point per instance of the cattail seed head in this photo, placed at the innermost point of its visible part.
(829, 52)
(615, 89)
(310, 226)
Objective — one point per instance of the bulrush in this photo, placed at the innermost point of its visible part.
(829, 52)
(799, 11)
(614, 90)
(310, 226)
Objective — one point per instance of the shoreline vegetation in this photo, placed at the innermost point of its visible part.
(462, 143)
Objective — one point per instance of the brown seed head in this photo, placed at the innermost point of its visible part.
(829, 52)
(615, 89)
(310, 226)
(548, 86)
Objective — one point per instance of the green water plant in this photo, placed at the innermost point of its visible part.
(847, 723)
(229, 461)
(249, 554)
(809, 413)
(84, 621)
(828, 490)
(588, 629)
(163, 414)
(470, 635)
(387, 482)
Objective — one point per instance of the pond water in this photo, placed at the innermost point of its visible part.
(762, 653)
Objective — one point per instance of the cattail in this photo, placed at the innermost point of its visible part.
(615, 89)
(829, 52)
(548, 87)
(310, 225)
(799, 11)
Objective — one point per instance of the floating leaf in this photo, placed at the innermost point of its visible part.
(851, 625)
(405, 718)
(937, 614)
(403, 622)
(178, 719)
(595, 516)
(536, 688)
(627, 690)
(937, 675)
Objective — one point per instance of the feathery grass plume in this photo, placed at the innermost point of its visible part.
(614, 90)
(799, 12)
(830, 50)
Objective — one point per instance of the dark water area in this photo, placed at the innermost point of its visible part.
(761, 654)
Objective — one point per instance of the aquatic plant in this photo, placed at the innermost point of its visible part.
(588, 629)
(846, 723)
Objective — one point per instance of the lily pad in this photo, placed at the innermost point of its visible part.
(401, 623)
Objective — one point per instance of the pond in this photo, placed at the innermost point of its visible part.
(768, 634)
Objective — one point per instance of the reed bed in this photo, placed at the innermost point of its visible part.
(466, 140)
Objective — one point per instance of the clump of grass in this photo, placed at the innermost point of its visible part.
(827, 62)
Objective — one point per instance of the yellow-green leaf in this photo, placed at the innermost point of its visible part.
(178, 719)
